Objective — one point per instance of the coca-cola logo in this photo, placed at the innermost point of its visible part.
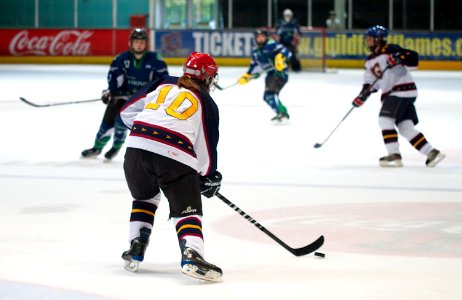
(65, 43)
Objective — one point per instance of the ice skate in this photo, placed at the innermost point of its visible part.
(434, 157)
(392, 160)
(280, 119)
(111, 153)
(92, 152)
(135, 254)
(192, 264)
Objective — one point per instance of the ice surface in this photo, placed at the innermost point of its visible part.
(390, 233)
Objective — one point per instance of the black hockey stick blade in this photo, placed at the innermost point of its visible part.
(295, 251)
(57, 103)
(319, 145)
(218, 87)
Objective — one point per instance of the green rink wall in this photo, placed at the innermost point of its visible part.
(221, 61)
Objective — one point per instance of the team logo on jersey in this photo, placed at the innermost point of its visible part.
(127, 64)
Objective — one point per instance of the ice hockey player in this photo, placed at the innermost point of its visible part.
(399, 92)
(288, 33)
(173, 147)
(129, 72)
(270, 56)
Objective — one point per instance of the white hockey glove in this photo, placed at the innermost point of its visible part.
(106, 96)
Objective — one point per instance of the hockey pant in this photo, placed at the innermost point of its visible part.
(146, 173)
(294, 61)
(407, 130)
(188, 229)
(111, 125)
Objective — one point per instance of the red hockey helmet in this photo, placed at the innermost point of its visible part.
(379, 34)
(201, 66)
(138, 34)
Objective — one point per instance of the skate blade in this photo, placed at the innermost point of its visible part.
(194, 271)
(94, 157)
(283, 121)
(131, 265)
(437, 159)
(394, 164)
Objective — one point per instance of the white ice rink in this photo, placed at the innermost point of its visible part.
(390, 233)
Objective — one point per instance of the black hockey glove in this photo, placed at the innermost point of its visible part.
(210, 185)
(362, 97)
(106, 96)
(395, 59)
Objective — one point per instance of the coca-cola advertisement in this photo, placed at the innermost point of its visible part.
(65, 42)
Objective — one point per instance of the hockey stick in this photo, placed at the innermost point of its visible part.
(295, 251)
(55, 104)
(66, 103)
(254, 76)
(319, 145)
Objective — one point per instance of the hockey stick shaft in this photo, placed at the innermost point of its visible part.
(318, 145)
(226, 87)
(256, 75)
(295, 251)
(65, 103)
(57, 103)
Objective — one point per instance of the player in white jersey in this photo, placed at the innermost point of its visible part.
(389, 63)
(173, 147)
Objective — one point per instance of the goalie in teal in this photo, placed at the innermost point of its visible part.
(271, 57)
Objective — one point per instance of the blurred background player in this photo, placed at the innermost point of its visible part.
(332, 22)
(270, 56)
(399, 92)
(173, 147)
(129, 71)
(288, 33)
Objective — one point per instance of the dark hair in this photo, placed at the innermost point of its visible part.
(190, 83)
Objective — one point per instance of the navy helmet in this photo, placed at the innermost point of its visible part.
(261, 31)
(379, 33)
(258, 32)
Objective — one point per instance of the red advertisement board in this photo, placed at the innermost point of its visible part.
(63, 42)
